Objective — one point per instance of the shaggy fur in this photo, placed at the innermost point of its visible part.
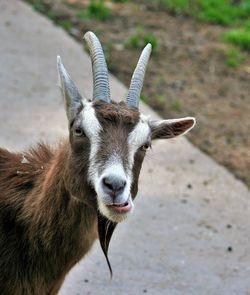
(49, 216)
(43, 231)
(48, 211)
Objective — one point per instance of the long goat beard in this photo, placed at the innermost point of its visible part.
(105, 230)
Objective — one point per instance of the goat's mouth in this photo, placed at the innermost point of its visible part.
(121, 208)
(116, 211)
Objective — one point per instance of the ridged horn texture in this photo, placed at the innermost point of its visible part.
(101, 89)
(72, 98)
(138, 77)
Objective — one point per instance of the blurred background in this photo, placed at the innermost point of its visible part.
(200, 64)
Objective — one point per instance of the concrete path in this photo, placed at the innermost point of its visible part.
(190, 231)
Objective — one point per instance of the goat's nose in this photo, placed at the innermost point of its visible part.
(113, 185)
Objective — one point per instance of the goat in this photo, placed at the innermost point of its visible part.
(54, 203)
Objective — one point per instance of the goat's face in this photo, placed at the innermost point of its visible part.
(115, 135)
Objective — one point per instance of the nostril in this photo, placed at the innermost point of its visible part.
(106, 181)
(123, 183)
(113, 184)
(120, 186)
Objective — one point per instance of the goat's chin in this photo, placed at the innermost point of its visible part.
(113, 215)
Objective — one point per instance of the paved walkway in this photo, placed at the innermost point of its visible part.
(190, 231)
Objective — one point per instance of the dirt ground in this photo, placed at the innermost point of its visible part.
(187, 74)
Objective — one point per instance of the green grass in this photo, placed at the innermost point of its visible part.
(234, 58)
(239, 37)
(96, 9)
(120, 1)
(143, 98)
(38, 5)
(160, 98)
(140, 39)
(176, 6)
(83, 13)
(222, 12)
(235, 14)
(66, 24)
(176, 105)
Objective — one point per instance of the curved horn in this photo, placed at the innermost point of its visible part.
(138, 77)
(72, 98)
(99, 67)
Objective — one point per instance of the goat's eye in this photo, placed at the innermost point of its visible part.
(78, 131)
(145, 147)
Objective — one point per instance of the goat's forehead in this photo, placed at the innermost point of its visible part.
(116, 113)
(100, 116)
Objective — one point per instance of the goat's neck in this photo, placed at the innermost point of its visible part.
(57, 217)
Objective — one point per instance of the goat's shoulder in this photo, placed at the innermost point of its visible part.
(19, 172)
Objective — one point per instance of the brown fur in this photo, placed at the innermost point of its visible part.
(48, 211)
(118, 121)
(43, 231)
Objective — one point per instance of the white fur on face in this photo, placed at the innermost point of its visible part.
(137, 138)
(114, 165)
(92, 129)
(113, 216)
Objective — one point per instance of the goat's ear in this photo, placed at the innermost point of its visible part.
(72, 98)
(170, 128)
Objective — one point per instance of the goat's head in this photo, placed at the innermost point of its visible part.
(115, 135)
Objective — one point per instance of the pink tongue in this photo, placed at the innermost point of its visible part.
(122, 208)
